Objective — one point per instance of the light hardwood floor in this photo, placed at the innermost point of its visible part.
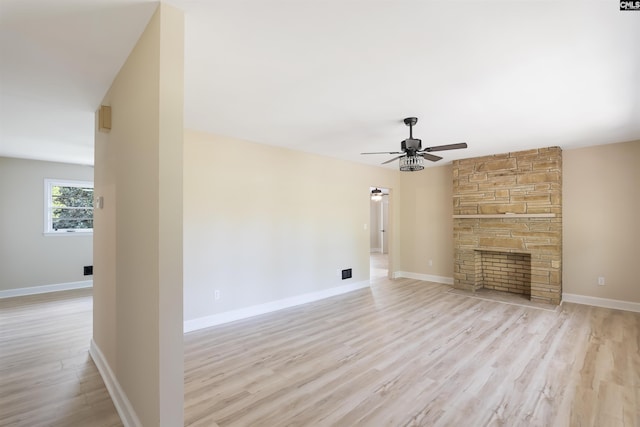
(409, 353)
(46, 375)
(403, 353)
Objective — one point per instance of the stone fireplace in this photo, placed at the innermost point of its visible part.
(508, 223)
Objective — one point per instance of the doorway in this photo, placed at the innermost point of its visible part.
(378, 232)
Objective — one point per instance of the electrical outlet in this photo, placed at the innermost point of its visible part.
(216, 294)
(601, 281)
(430, 263)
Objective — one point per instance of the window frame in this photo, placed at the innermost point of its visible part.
(49, 183)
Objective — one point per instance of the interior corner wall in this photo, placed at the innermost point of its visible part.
(601, 235)
(426, 212)
(138, 233)
(28, 258)
(263, 223)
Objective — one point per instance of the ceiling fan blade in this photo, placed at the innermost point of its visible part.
(385, 152)
(446, 147)
(389, 161)
(431, 157)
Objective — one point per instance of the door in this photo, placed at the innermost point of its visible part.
(384, 224)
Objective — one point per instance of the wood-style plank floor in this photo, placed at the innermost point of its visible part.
(403, 353)
(47, 377)
(410, 353)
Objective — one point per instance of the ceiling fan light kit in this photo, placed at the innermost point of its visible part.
(412, 156)
(411, 164)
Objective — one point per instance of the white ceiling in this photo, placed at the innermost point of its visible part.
(335, 77)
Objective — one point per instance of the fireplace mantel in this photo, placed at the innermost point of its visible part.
(502, 250)
(506, 216)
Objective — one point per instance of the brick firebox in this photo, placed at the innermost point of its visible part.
(510, 204)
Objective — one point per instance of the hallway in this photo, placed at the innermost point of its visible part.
(378, 265)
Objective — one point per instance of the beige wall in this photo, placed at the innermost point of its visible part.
(138, 237)
(263, 223)
(28, 258)
(601, 205)
(426, 209)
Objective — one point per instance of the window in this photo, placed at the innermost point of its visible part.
(68, 206)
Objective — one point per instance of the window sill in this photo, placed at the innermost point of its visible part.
(68, 233)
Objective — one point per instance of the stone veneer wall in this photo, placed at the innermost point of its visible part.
(510, 203)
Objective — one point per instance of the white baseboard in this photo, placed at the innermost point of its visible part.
(255, 310)
(425, 277)
(18, 292)
(375, 250)
(119, 398)
(602, 302)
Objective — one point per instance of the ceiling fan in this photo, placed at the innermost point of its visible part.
(376, 194)
(412, 154)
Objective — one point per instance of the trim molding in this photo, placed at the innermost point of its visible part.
(424, 277)
(255, 310)
(120, 401)
(19, 292)
(602, 302)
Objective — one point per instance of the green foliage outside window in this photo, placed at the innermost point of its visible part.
(71, 208)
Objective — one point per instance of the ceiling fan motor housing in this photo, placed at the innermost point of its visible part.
(411, 144)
